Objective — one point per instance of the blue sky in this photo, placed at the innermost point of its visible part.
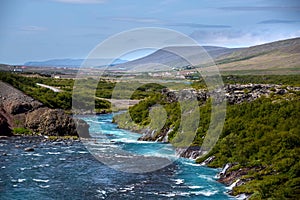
(34, 30)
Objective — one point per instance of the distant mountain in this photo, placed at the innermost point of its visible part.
(73, 63)
(168, 57)
(276, 58)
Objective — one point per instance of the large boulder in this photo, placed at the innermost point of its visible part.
(54, 122)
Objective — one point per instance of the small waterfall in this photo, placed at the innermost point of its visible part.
(233, 184)
(242, 197)
(207, 160)
(166, 138)
(193, 155)
(180, 151)
(225, 168)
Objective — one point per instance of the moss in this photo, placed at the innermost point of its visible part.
(246, 91)
(21, 131)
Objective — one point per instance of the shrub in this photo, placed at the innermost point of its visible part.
(21, 131)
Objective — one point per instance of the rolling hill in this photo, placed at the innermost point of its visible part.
(280, 57)
(167, 57)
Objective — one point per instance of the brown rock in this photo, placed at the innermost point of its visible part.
(55, 122)
(16, 102)
(50, 122)
(16, 107)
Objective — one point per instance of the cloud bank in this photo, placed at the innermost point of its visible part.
(238, 38)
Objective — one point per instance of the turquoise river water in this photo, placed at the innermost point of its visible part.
(67, 170)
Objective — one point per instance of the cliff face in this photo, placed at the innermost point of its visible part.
(20, 110)
(234, 94)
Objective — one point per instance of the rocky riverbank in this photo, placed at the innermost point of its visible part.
(21, 112)
(234, 94)
(232, 175)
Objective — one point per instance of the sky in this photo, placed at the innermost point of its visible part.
(36, 30)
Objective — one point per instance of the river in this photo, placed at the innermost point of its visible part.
(67, 170)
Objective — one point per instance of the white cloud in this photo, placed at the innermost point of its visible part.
(238, 38)
(81, 1)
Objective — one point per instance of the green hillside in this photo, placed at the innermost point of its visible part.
(260, 138)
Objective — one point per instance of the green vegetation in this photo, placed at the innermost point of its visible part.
(53, 99)
(48, 97)
(263, 136)
(266, 135)
(292, 80)
(21, 131)
(85, 95)
(85, 90)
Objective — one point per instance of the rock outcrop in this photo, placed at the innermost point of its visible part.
(234, 93)
(235, 177)
(20, 110)
(50, 122)
(191, 152)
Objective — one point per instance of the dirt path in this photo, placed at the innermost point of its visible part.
(54, 89)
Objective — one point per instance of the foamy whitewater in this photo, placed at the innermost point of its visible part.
(62, 170)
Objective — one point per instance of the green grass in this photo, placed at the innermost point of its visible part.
(21, 131)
